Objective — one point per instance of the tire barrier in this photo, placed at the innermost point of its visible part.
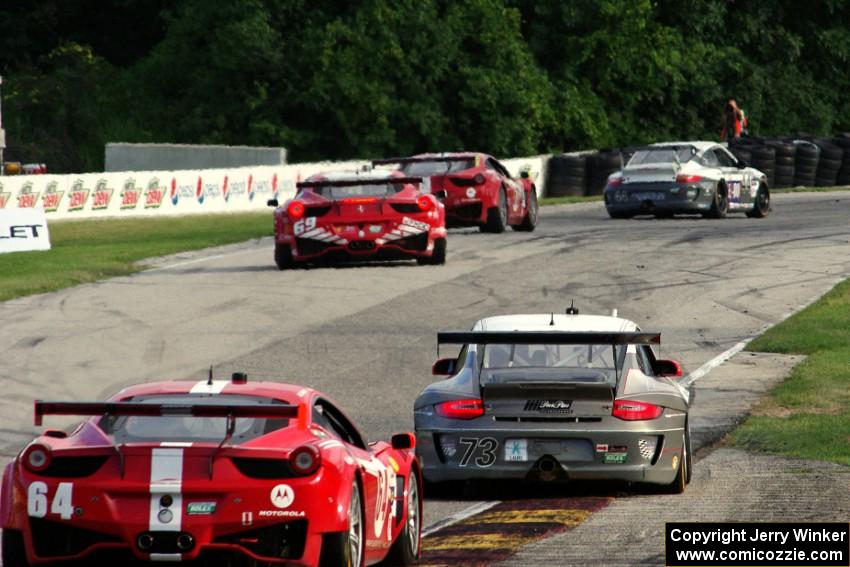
(843, 142)
(785, 153)
(599, 167)
(566, 175)
(805, 162)
(829, 163)
(764, 159)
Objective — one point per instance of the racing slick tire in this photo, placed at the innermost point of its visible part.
(283, 257)
(530, 220)
(437, 257)
(346, 549)
(408, 545)
(761, 204)
(497, 217)
(719, 205)
(13, 549)
(682, 473)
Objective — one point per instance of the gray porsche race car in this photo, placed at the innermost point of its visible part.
(555, 397)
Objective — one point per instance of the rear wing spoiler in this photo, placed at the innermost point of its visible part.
(545, 338)
(356, 182)
(230, 411)
(388, 161)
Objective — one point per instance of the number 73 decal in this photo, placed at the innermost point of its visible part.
(37, 502)
(485, 447)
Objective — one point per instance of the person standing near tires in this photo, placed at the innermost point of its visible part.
(733, 123)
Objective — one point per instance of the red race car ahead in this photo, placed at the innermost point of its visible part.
(480, 190)
(349, 216)
(212, 473)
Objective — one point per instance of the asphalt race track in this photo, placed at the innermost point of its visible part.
(365, 335)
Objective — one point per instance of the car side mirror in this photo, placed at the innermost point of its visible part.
(444, 367)
(272, 203)
(441, 194)
(669, 368)
(403, 441)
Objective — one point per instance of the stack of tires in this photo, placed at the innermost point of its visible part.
(566, 175)
(764, 159)
(828, 164)
(599, 167)
(785, 153)
(843, 142)
(805, 163)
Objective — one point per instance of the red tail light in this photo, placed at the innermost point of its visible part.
(36, 458)
(461, 409)
(424, 203)
(682, 178)
(479, 179)
(305, 460)
(615, 181)
(296, 209)
(359, 200)
(631, 410)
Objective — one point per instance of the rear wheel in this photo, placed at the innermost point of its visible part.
(532, 210)
(438, 256)
(13, 549)
(405, 550)
(283, 257)
(497, 217)
(682, 472)
(761, 204)
(345, 549)
(720, 203)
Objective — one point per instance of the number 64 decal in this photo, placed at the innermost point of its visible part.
(37, 500)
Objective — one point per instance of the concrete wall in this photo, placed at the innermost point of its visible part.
(174, 157)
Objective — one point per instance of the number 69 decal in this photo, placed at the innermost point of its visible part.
(37, 500)
(304, 225)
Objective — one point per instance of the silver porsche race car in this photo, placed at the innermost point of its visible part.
(555, 397)
(686, 177)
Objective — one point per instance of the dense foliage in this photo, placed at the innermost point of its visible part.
(335, 79)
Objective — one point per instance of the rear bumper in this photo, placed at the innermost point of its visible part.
(654, 198)
(580, 455)
(365, 249)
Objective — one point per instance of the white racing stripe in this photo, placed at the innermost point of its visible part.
(166, 478)
(203, 387)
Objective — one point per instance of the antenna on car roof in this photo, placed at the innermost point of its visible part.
(210, 377)
(552, 320)
(572, 309)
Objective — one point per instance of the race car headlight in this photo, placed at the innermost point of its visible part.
(36, 458)
(305, 460)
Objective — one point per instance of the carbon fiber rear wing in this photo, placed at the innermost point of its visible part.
(357, 182)
(230, 411)
(546, 338)
(388, 161)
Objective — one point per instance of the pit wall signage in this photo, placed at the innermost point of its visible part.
(175, 193)
(23, 230)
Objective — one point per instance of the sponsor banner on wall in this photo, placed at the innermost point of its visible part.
(158, 193)
(23, 229)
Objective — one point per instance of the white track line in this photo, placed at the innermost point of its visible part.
(462, 515)
(199, 260)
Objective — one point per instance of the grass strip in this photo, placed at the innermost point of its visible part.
(808, 415)
(89, 250)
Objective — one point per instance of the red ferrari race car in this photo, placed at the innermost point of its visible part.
(351, 216)
(479, 190)
(211, 473)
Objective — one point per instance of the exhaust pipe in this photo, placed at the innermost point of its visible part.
(185, 542)
(144, 542)
(548, 469)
